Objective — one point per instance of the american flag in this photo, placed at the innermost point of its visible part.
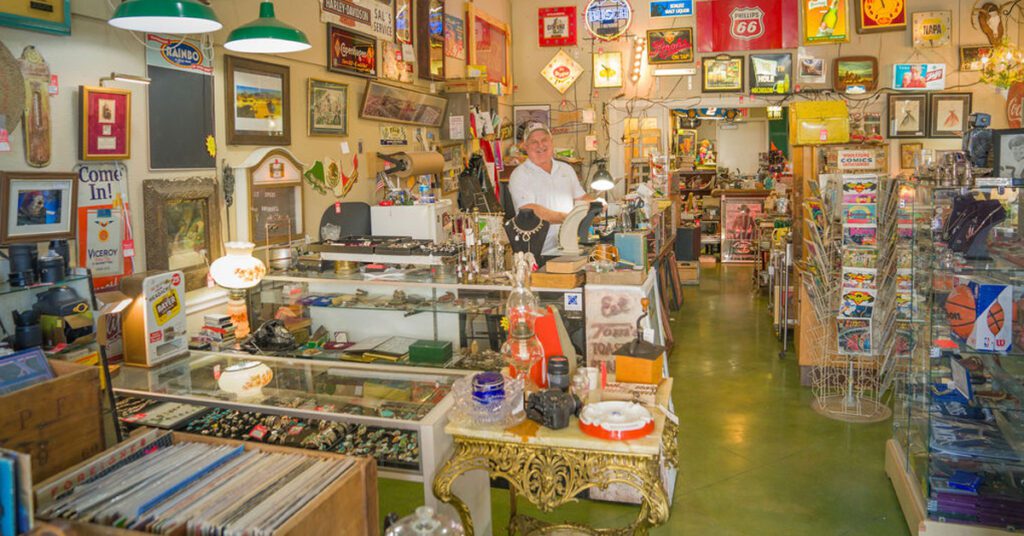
(382, 181)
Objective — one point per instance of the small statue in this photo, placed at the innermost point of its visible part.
(978, 141)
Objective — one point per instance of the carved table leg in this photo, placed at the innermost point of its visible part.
(460, 462)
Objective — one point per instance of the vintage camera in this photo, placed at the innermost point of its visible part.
(552, 408)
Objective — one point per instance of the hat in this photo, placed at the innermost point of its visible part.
(1016, 141)
(533, 126)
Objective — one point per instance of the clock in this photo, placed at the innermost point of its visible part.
(881, 15)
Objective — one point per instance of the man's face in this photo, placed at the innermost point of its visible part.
(36, 207)
(539, 147)
(1018, 152)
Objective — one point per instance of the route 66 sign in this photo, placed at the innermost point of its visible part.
(729, 25)
(746, 23)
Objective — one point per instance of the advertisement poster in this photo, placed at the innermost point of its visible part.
(825, 22)
(102, 229)
(351, 53)
(672, 8)
(918, 76)
(771, 74)
(374, 17)
(740, 228)
(729, 25)
(670, 45)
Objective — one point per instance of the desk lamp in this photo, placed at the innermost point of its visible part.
(238, 271)
(602, 181)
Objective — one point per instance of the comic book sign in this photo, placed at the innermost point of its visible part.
(728, 25)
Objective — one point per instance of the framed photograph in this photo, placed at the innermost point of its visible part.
(392, 66)
(908, 115)
(454, 37)
(258, 102)
(38, 206)
(971, 57)
(454, 156)
(907, 152)
(328, 108)
(739, 228)
(557, 26)
(403, 21)
(523, 115)
(948, 113)
(686, 142)
(825, 22)
(607, 69)
(490, 44)
(384, 102)
(855, 74)
(1009, 152)
(931, 28)
(352, 53)
(671, 45)
(50, 16)
(771, 74)
(182, 224)
(722, 74)
(811, 70)
(881, 16)
(919, 76)
(106, 123)
(430, 37)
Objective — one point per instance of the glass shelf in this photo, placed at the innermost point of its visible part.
(420, 278)
(6, 288)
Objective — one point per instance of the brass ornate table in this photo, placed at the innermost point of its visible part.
(550, 467)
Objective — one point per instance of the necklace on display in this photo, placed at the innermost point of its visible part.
(524, 235)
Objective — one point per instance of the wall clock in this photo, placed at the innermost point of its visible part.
(557, 26)
(932, 28)
(881, 15)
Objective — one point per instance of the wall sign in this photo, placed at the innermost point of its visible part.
(1013, 105)
(825, 22)
(722, 74)
(608, 19)
(172, 52)
(671, 45)
(351, 52)
(180, 129)
(727, 25)
(932, 28)
(881, 16)
(101, 230)
(562, 71)
(672, 8)
(771, 74)
(393, 135)
(557, 26)
(918, 76)
(607, 69)
(373, 17)
(856, 160)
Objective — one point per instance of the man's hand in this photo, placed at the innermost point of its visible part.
(546, 214)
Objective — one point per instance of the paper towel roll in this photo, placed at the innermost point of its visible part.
(420, 163)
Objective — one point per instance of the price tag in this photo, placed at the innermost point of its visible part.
(128, 246)
(573, 301)
(337, 207)
(823, 135)
(54, 87)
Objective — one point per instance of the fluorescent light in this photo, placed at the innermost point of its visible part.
(675, 71)
(130, 78)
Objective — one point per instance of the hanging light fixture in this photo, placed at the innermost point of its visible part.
(266, 35)
(165, 16)
(1003, 66)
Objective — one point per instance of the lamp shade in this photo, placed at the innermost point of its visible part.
(266, 35)
(165, 16)
(602, 181)
(238, 269)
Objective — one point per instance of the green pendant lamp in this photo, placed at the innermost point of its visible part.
(165, 16)
(266, 35)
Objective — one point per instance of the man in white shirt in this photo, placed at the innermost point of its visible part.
(547, 186)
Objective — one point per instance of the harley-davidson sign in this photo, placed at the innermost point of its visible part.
(729, 25)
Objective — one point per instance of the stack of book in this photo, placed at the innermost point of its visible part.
(217, 331)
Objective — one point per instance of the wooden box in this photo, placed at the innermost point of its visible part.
(689, 272)
(708, 261)
(58, 422)
(544, 279)
(618, 277)
(346, 506)
(639, 362)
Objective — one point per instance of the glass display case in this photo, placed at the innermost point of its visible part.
(957, 453)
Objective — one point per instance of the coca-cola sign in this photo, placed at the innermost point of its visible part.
(1013, 105)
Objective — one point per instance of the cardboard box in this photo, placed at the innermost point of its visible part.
(58, 422)
(689, 272)
(708, 261)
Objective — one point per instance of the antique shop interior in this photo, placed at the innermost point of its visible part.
(457, 267)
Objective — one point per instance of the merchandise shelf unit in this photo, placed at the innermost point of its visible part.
(956, 458)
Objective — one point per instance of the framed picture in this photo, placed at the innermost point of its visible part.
(607, 69)
(258, 102)
(328, 108)
(881, 16)
(1009, 152)
(855, 74)
(38, 206)
(907, 152)
(931, 28)
(739, 227)
(722, 74)
(454, 37)
(971, 57)
(352, 53)
(384, 102)
(453, 163)
(671, 45)
(523, 115)
(392, 66)
(106, 123)
(182, 224)
(825, 22)
(811, 70)
(275, 199)
(771, 74)
(403, 21)
(919, 76)
(50, 16)
(490, 44)
(430, 35)
(908, 115)
(557, 26)
(686, 142)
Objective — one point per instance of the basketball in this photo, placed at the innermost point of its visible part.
(996, 316)
(960, 311)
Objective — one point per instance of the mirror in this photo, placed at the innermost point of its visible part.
(430, 39)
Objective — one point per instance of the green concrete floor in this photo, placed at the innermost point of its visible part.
(754, 458)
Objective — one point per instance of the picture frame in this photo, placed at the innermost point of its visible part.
(970, 57)
(557, 26)
(274, 198)
(391, 66)
(430, 35)
(37, 206)
(948, 113)
(722, 74)
(350, 52)
(105, 120)
(739, 228)
(327, 108)
(454, 37)
(908, 115)
(822, 29)
(770, 74)
(490, 43)
(258, 102)
(907, 152)
(876, 16)
(686, 141)
(182, 225)
(403, 21)
(1008, 146)
(395, 104)
(607, 69)
(528, 113)
(670, 45)
(811, 70)
(453, 154)
(48, 16)
(849, 71)
(931, 29)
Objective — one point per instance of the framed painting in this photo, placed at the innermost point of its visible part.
(430, 27)
(182, 224)
(722, 74)
(384, 102)
(607, 69)
(854, 74)
(825, 23)
(392, 66)
(106, 123)
(350, 52)
(490, 44)
(328, 108)
(908, 115)
(37, 206)
(670, 45)
(971, 57)
(686, 142)
(557, 26)
(771, 74)
(907, 152)
(811, 70)
(1008, 145)
(881, 16)
(50, 16)
(258, 107)
(948, 113)
(739, 226)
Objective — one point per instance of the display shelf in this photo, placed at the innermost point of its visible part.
(422, 279)
(7, 289)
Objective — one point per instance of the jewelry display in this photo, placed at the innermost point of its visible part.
(527, 233)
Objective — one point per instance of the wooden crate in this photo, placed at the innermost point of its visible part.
(58, 422)
(346, 506)
(708, 261)
(544, 279)
(689, 272)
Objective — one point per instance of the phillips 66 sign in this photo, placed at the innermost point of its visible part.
(729, 25)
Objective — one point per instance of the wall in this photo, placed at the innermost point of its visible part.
(739, 147)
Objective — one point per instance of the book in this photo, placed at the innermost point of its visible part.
(24, 510)
(566, 264)
(8, 521)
